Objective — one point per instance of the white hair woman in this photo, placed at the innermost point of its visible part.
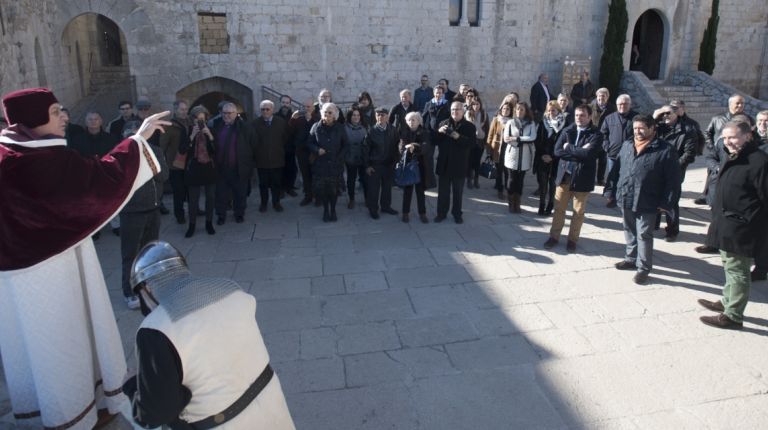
(329, 144)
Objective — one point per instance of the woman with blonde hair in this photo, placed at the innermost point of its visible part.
(520, 137)
(477, 116)
(495, 145)
(552, 124)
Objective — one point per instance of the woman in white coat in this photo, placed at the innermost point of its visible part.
(520, 137)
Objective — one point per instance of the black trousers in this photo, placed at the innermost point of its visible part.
(305, 168)
(673, 221)
(136, 230)
(516, 181)
(194, 201)
(379, 193)
(176, 178)
(421, 203)
(354, 173)
(447, 187)
(231, 187)
(475, 156)
(270, 180)
(290, 171)
(545, 176)
(501, 171)
(602, 163)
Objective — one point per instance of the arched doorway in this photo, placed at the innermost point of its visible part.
(95, 52)
(648, 44)
(209, 92)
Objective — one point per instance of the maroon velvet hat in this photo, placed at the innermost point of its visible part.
(28, 106)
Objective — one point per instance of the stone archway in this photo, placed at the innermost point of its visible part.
(97, 52)
(648, 44)
(210, 91)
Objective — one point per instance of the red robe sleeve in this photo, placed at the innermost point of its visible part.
(52, 198)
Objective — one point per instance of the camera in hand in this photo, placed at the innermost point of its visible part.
(449, 129)
(200, 124)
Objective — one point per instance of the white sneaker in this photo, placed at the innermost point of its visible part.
(132, 302)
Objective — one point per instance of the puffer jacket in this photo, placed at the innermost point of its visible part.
(519, 152)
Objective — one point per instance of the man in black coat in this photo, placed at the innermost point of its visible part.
(540, 96)
(436, 111)
(455, 137)
(672, 129)
(578, 147)
(271, 134)
(649, 182)
(235, 153)
(379, 156)
(738, 223)
(712, 135)
(616, 129)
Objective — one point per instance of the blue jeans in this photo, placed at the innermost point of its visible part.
(638, 234)
(612, 179)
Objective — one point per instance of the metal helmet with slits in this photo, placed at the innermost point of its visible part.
(156, 258)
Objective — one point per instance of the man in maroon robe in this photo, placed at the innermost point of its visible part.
(60, 346)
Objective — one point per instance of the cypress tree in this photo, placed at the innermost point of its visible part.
(709, 41)
(612, 61)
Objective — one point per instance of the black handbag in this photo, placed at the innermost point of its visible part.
(488, 168)
(407, 172)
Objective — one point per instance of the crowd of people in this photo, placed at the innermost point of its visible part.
(52, 169)
(570, 143)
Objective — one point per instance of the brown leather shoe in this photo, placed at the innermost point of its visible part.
(550, 243)
(721, 321)
(716, 306)
(706, 249)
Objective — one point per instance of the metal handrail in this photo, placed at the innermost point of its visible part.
(274, 95)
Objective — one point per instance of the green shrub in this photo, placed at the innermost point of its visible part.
(612, 61)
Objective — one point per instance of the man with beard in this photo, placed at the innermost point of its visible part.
(649, 182)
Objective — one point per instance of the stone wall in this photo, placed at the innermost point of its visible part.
(741, 39)
(718, 91)
(383, 46)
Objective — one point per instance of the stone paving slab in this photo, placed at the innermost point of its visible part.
(387, 325)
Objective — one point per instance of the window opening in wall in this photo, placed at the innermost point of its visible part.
(214, 38)
(454, 12)
(473, 13)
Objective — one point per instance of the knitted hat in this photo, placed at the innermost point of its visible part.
(28, 106)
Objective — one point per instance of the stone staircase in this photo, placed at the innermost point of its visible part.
(698, 105)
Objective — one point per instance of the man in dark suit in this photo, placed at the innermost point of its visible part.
(540, 96)
(270, 135)
(455, 137)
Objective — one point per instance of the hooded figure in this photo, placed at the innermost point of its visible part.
(202, 362)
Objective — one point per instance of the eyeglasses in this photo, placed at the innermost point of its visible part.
(667, 113)
(143, 108)
(263, 109)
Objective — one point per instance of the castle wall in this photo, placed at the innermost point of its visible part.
(300, 46)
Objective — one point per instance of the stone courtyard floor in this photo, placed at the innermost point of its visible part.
(385, 325)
